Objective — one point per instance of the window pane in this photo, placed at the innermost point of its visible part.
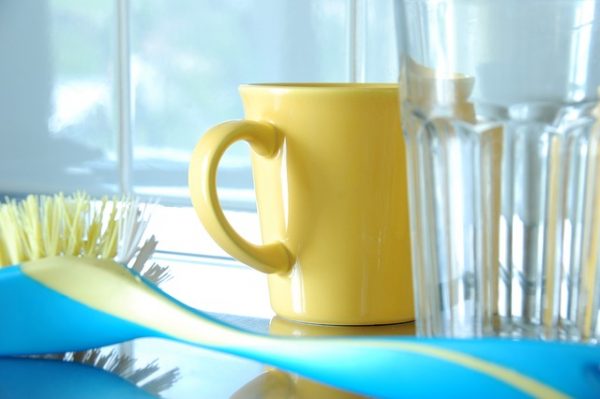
(56, 102)
(381, 51)
(189, 56)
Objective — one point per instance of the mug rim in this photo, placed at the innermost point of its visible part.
(321, 86)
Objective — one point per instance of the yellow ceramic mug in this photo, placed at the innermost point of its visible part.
(329, 174)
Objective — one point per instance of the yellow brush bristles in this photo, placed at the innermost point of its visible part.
(42, 226)
(76, 225)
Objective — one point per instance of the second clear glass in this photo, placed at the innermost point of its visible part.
(500, 111)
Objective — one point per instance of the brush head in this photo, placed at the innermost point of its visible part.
(40, 227)
(76, 225)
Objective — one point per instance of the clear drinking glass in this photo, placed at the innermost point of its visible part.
(500, 106)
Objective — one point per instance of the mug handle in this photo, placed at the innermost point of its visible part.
(272, 257)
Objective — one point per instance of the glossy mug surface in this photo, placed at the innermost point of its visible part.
(329, 173)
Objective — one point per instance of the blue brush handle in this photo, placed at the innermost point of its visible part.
(38, 319)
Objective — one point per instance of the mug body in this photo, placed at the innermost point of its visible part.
(335, 195)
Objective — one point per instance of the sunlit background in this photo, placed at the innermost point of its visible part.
(62, 106)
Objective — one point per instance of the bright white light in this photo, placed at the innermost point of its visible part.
(73, 102)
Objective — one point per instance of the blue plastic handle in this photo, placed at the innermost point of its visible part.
(38, 319)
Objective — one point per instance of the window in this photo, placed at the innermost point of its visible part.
(111, 96)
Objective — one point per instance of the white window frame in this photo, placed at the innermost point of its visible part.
(357, 49)
(357, 25)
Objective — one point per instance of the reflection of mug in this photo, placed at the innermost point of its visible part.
(281, 326)
(329, 173)
(278, 384)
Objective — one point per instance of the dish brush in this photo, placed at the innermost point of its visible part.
(71, 300)
(41, 226)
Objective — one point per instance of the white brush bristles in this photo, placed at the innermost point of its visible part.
(42, 226)
(133, 220)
